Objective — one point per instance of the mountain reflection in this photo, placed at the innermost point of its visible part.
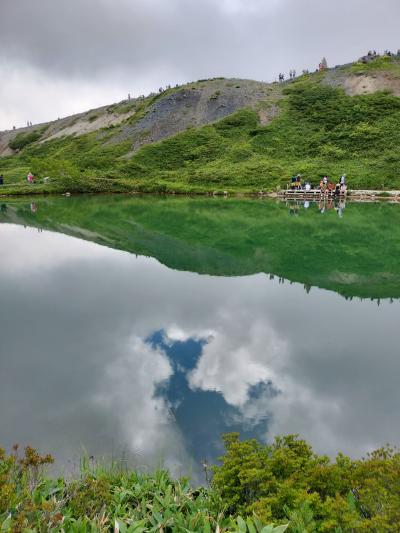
(119, 354)
(231, 237)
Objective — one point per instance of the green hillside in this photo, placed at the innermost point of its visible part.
(342, 120)
(230, 237)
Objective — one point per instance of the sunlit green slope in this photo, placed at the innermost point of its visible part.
(343, 120)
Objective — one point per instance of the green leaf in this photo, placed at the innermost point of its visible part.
(268, 529)
(280, 529)
(241, 524)
(251, 526)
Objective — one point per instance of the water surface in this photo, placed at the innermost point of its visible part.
(146, 327)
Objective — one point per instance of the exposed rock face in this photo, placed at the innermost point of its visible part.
(192, 106)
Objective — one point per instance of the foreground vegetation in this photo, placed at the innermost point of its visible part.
(285, 483)
(317, 129)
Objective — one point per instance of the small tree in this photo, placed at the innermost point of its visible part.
(324, 63)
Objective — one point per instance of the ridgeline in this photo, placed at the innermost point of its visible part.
(217, 135)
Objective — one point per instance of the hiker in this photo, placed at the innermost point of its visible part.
(1, 179)
(331, 187)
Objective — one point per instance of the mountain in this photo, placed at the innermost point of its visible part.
(222, 135)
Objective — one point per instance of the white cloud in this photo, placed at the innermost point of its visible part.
(239, 357)
(64, 57)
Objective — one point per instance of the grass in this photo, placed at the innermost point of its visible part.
(104, 499)
(318, 130)
(284, 482)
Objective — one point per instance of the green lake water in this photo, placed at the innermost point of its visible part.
(144, 327)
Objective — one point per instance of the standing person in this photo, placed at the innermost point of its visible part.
(343, 179)
(29, 177)
(294, 73)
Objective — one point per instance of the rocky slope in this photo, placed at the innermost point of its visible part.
(166, 114)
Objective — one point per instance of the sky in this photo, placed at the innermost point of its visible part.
(60, 57)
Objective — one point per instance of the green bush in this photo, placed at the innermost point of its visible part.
(288, 480)
(24, 139)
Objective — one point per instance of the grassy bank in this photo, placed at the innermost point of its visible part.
(313, 127)
(285, 483)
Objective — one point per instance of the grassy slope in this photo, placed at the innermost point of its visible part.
(319, 130)
(238, 237)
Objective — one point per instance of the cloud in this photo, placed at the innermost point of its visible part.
(239, 357)
(85, 53)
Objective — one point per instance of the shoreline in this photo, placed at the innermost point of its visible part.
(356, 195)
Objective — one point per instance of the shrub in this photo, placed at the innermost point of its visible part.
(24, 139)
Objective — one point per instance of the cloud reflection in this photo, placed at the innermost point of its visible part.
(81, 365)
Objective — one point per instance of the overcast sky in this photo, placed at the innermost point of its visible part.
(59, 57)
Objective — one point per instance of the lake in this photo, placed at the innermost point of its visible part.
(143, 328)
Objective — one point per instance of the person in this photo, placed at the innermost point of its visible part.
(337, 189)
(308, 186)
(293, 180)
(298, 182)
(1, 179)
(340, 208)
(29, 177)
(343, 184)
